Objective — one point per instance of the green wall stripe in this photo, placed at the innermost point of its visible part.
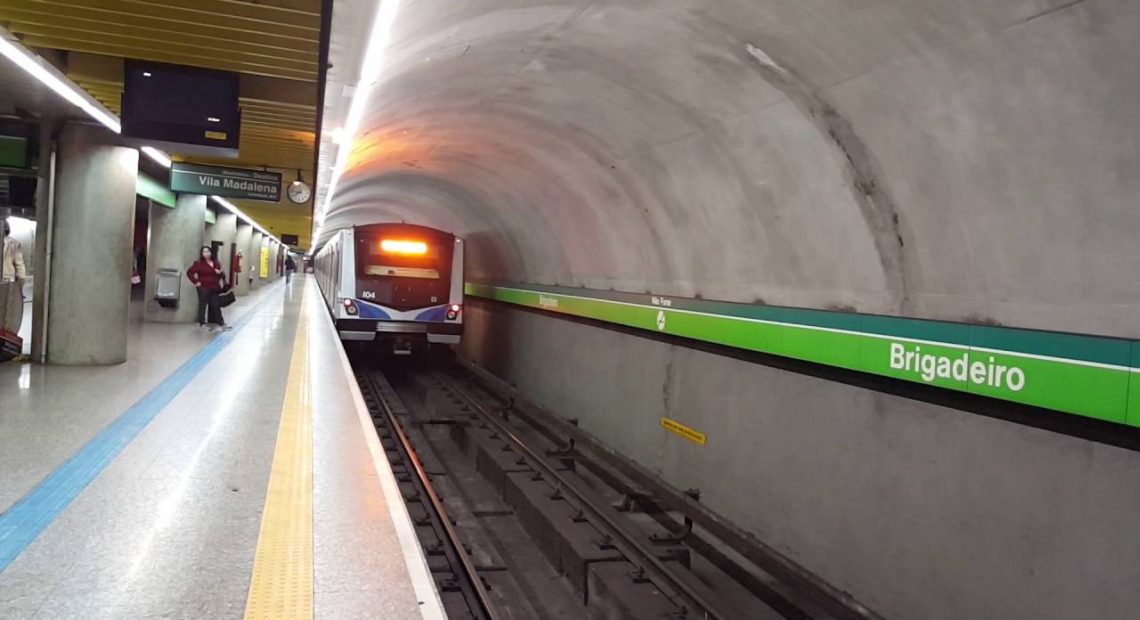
(1134, 387)
(13, 152)
(1091, 376)
(149, 188)
(1053, 344)
(1069, 346)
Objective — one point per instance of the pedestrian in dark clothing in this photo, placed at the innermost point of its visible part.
(290, 267)
(207, 276)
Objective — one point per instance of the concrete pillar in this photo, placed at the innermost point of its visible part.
(45, 197)
(241, 280)
(175, 239)
(255, 243)
(93, 230)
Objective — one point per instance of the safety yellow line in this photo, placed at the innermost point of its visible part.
(281, 587)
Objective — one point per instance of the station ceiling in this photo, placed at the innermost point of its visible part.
(273, 44)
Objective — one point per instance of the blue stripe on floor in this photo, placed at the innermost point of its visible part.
(23, 522)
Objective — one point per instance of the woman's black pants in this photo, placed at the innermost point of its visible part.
(208, 309)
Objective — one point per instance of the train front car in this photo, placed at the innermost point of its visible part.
(407, 289)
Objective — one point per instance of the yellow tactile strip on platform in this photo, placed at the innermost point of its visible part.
(281, 586)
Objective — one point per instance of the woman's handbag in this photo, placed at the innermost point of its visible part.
(226, 294)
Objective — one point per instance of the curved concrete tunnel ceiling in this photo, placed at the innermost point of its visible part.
(963, 160)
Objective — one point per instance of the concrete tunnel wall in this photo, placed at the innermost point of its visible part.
(964, 160)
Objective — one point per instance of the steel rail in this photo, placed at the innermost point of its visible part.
(481, 607)
(625, 542)
(835, 601)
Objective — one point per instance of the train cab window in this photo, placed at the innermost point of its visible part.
(404, 269)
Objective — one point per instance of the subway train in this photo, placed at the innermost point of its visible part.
(398, 285)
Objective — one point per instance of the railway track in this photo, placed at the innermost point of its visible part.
(464, 579)
(622, 545)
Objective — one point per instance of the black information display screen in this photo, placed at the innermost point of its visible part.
(173, 103)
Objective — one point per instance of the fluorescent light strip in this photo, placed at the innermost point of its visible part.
(157, 155)
(241, 214)
(369, 77)
(51, 77)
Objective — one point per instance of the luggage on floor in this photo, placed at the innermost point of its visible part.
(11, 345)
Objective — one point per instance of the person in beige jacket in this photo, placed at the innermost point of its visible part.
(12, 276)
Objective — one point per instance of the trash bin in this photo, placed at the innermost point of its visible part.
(168, 287)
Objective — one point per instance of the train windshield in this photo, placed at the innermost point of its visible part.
(403, 258)
(404, 267)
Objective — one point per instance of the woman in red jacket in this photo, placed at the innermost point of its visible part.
(207, 276)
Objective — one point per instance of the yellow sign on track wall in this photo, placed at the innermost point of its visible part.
(264, 262)
(681, 430)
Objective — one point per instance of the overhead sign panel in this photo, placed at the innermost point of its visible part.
(227, 182)
(182, 109)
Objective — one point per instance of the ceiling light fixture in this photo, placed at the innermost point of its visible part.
(369, 77)
(157, 156)
(51, 77)
(241, 214)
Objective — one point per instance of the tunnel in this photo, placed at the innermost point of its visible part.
(968, 162)
(720, 309)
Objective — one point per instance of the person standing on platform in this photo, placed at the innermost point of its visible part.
(12, 276)
(207, 276)
(290, 267)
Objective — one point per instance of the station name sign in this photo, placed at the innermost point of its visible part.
(226, 182)
(1083, 374)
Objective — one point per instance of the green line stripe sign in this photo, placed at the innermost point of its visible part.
(149, 188)
(1090, 376)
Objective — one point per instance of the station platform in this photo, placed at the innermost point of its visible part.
(213, 475)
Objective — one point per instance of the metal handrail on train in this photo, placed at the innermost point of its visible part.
(486, 609)
(625, 542)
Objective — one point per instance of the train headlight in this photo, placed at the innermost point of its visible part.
(350, 307)
(453, 312)
(403, 247)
